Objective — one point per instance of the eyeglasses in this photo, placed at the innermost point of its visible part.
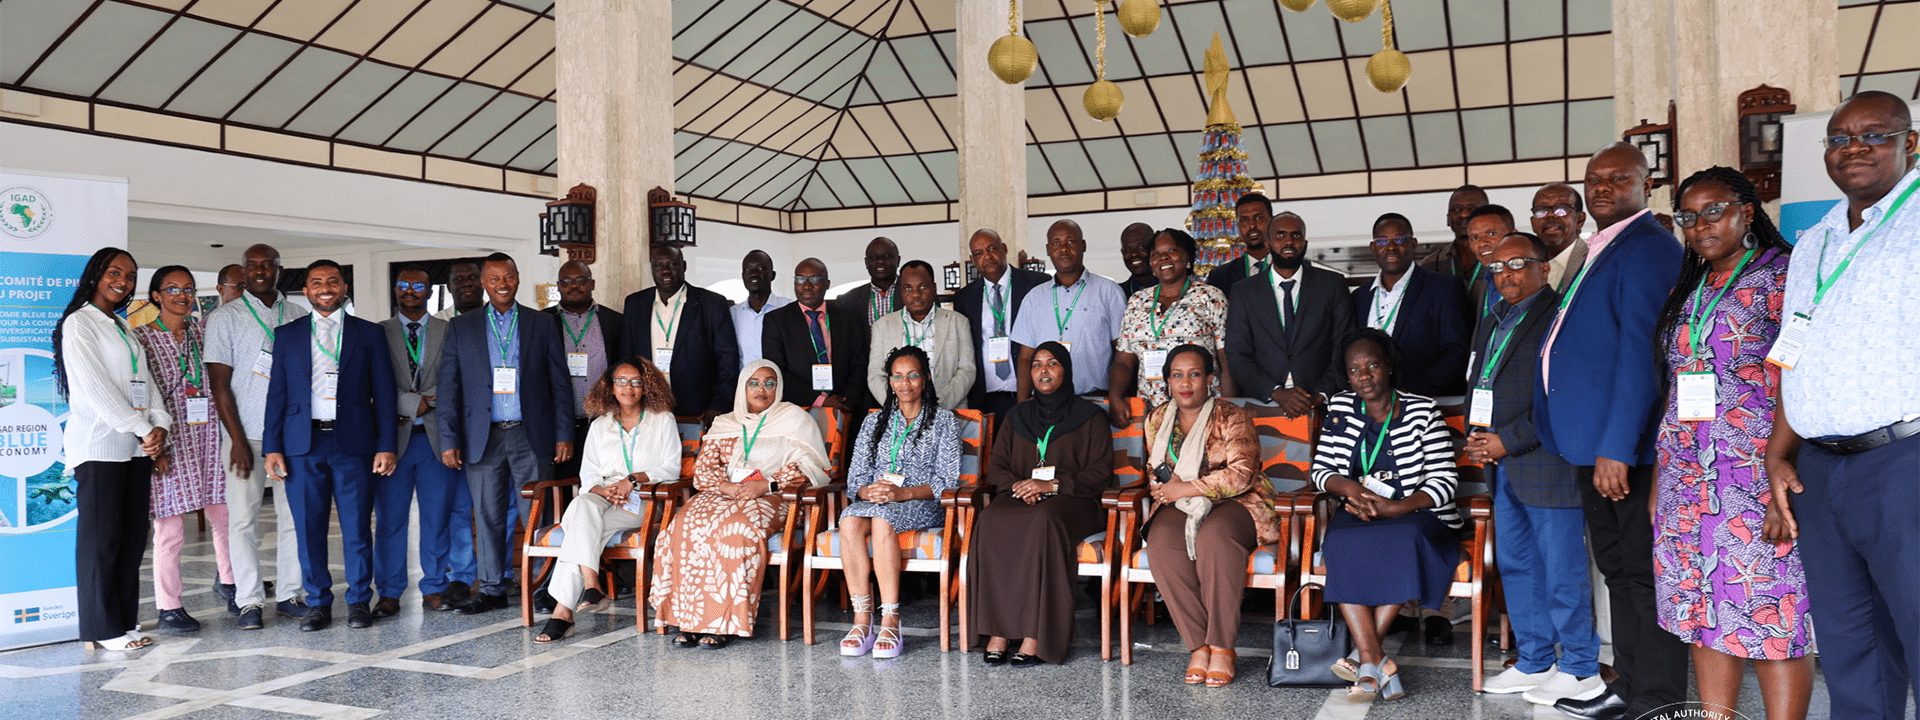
(897, 377)
(175, 290)
(1515, 265)
(1710, 213)
(233, 285)
(635, 382)
(810, 280)
(1869, 139)
(416, 287)
(758, 385)
(1556, 211)
(575, 281)
(1381, 242)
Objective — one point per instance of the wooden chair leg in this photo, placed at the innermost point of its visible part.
(784, 600)
(806, 601)
(946, 607)
(526, 592)
(1126, 620)
(1107, 601)
(966, 630)
(1479, 636)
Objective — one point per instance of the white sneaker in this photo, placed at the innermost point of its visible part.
(1513, 681)
(1565, 687)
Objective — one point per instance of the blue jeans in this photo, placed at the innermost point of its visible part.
(421, 474)
(1542, 554)
(316, 481)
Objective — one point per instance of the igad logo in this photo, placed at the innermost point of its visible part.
(25, 212)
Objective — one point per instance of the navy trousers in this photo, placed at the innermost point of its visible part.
(1542, 553)
(316, 482)
(1859, 539)
(419, 474)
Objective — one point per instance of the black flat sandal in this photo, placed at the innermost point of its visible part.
(686, 640)
(554, 631)
(715, 642)
(1021, 660)
(995, 657)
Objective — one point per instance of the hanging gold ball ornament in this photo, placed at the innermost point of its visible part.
(1013, 58)
(1352, 10)
(1103, 100)
(1388, 70)
(1296, 5)
(1139, 18)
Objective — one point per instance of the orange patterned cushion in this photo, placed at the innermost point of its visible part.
(1093, 550)
(916, 545)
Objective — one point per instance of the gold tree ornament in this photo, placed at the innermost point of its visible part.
(1139, 18)
(1388, 69)
(1352, 10)
(1013, 58)
(1296, 5)
(1103, 99)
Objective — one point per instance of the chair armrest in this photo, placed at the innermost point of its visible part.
(665, 489)
(532, 489)
(1125, 497)
(827, 493)
(1479, 506)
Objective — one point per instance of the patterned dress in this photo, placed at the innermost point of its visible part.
(930, 458)
(1719, 584)
(196, 479)
(707, 578)
(1198, 317)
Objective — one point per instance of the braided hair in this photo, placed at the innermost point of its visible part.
(82, 296)
(1693, 268)
(929, 399)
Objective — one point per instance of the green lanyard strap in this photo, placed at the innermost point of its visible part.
(503, 339)
(281, 306)
(415, 348)
(750, 441)
(900, 430)
(1173, 454)
(1159, 319)
(582, 334)
(1381, 292)
(1701, 324)
(1367, 457)
(906, 332)
(666, 328)
(1042, 445)
(132, 357)
(333, 352)
(1498, 349)
(626, 440)
(1060, 323)
(1824, 281)
(189, 369)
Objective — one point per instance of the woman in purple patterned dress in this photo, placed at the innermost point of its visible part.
(194, 479)
(1728, 578)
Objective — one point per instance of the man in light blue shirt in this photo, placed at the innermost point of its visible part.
(750, 317)
(1079, 309)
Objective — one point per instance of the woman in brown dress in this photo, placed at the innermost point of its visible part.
(707, 579)
(1204, 461)
(1048, 468)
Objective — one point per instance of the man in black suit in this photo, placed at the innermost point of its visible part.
(991, 303)
(1284, 329)
(1457, 259)
(687, 333)
(811, 332)
(590, 335)
(881, 293)
(1486, 225)
(1255, 215)
(1536, 495)
(1424, 311)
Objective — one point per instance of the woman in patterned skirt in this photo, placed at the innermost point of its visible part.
(1726, 572)
(906, 455)
(194, 480)
(707, 579)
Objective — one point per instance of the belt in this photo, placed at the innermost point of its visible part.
(323, 425)
(1870, 439)
(506, 425)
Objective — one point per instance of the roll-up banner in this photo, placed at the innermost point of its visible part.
(1806, 193)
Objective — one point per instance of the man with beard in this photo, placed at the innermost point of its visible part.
(1283, 330)
(1255, 215)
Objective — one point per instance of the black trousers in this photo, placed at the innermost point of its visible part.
(1652, 662)
(114, 498)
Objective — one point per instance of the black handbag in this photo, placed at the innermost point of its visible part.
(1304, 651)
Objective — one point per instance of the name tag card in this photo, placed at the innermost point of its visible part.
(505, 380)
(1067, 345)
(999, 349)
(823, 377)
(263, 364)
(199, 410)
(577, 364)
(1792, 340)
(1043, 473)
(137, 394)
(330, 386)
(894, 479)
(663, 359)
(1694, 395)
(1482, 413)
(1154, 364)
(1376, 484)
(739, 474)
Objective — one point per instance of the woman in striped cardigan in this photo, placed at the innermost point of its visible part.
(1388, 457)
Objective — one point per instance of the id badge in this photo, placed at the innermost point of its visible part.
(505, 380)
(1044, 472)
(894, 479)
(1067, 345)
(1289, 384)
(1156, 364)
(577, 364)
(663, 359)
(1792, 340)
(999, 349)
(1482, 413)
(199, 410)
(330, 386)
(1694, 395)
(739, 474)
(1374, 484)
(137, 394)
(823, 377)
(263, 364)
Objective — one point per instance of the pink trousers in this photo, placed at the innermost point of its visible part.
(169, 535)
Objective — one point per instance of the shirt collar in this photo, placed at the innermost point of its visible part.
(583, 313)
(935, 310)
(1502, 311)
(494, 314)
(1608, 233)
(1837, 217)
(279, 297)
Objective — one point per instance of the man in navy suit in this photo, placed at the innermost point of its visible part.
(505, 408)
(1596, 405)
(1255, 215)
(330, 410)
(1424, 311)
(991, 302)
(687, 332)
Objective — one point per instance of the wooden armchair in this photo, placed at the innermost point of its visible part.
(1099, 554)
(784, 544)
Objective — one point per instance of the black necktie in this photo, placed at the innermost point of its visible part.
(1286, 305)
(413, 347)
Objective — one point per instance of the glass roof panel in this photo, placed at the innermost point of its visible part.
(945, 167)
(1589, 125)
(1292, 148)
(888, 78)
(1489, 134)
(1255, 33)
(1039, 173)
(528, 128)
(1540, 130)
(1311, 34)
(765, 25)
(28, 28)
(385, 117)
(1158, 159)
(1060, 52)
(97, 49)
(346, 98)
(878, 181)
(493, 118)
(296, 84)
(243, 67)
(781, 189)
(926, 65)
(1478, 22)
(1389, 142)
(1534, 20)
(914, 177)
(1589, 16)
(693, 169)
(1436, 136)
(689, 41)
(441, 117)
(540, 156)
(1162, 53)
(160, 70)
(777, 47)
(724, 178)
(1116, 165)
(1070, 163)
(1419, 26)
(1339, 144)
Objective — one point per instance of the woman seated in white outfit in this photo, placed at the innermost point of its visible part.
(633, 441)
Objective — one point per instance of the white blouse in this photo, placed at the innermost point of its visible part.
(654, 447)
(102, 360)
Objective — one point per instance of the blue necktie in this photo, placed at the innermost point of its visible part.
(819, 338)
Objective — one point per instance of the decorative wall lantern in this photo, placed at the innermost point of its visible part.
(568, 224)
(1761, 110)
(1657, 143)
(952, 277)
(672, 220)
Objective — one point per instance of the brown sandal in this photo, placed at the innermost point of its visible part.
(1217, 679)
(1197, 674)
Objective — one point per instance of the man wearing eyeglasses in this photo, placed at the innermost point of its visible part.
(1425, 312)
(588, 333)
(1850, 388)
(447, 568)
(1557, 215)
(233, 283)
(750, 317)
(821, 347)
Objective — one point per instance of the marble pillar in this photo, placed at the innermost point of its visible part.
(991, 132)
(615, 89)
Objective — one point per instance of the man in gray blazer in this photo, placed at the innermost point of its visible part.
(943, 333)
(446, 507)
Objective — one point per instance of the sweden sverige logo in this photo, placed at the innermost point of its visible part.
(25, 212)
(26, 615)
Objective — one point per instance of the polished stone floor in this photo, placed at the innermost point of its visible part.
(425, 664)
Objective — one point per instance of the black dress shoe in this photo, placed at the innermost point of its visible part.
(358, 616)
(317, 618)
(1439, 631)
(480, 603)
(1606, 706)
(995, 657)
(1021, 660)
(543, 603)
(456, 592)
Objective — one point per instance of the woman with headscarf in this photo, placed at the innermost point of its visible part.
(1049, 465)
(707, 579)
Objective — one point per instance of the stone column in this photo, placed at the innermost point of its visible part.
(614, 69)
(992, 135)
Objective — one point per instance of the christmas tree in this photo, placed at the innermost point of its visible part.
(1222, 177)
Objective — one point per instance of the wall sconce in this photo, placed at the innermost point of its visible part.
(672, 219)
(1656, 142)
(952, 277)
(1761, 110)
(568, 224)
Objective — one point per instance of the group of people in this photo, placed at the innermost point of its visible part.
(1629, 389)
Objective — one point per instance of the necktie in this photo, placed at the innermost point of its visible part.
(1000, 369)
(413, 345)
(1286, 305)
(1259, 268)
(819, 338)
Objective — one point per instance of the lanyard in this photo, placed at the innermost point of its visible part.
(1042, 445)
(189, 370)
(1293, 299)
(1477, 269)
(503, 339)
(1566, 300)
(1000, 311)
(906, 331)
(1702, 321)
(626, 440)
(750, 441)
(1173, 454)
(582, 335)
(131, 361)
(1160, 317)
(1824, 281)
(1499, 349)
(667, 327)
(334, 352)
(1367, 457)
(415, 348)
(1393, 312)
(826, 329)
(900, 430)
(282, 306)
(1059, 322)
(879, 302)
